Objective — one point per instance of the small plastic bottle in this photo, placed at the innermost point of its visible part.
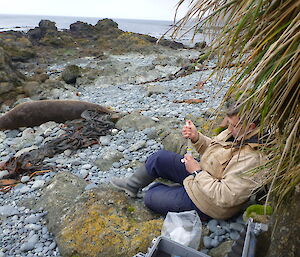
(189, 148)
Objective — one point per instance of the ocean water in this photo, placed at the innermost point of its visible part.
(154, 28)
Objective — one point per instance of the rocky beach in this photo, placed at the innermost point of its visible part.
(67, 208)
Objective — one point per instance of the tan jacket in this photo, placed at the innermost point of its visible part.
(222, 187)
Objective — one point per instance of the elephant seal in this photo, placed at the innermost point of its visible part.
(38, 112)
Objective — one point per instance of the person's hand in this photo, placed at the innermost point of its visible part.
(191, 164)
(190, 131)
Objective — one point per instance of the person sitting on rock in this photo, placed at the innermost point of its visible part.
(216, 187)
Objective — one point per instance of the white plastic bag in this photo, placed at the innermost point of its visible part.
(183, 227)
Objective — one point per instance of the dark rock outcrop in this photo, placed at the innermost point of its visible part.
(10, 79)
(108, 27)
(17, 46)
(82, 29)
(45, 27)
(35, 34)
(105, 35)
(106, 24)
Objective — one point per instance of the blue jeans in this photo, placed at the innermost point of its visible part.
(162, 198)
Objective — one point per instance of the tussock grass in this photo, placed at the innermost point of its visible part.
(262, 38)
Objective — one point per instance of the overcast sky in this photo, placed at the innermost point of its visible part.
(129, 9)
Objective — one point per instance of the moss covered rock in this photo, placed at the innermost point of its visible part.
(97, 222)
(108, 223)
(136, 121)
(57, 39)
(70, 74)
(17, 46)
(10, 79)
(258, 213)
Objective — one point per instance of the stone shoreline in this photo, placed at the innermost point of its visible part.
(116, 81)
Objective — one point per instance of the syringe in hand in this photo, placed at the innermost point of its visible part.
(189, 148)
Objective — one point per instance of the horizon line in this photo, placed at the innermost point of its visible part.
(53, 15)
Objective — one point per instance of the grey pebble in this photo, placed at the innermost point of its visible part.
(105, 140)
(44, 230)
(138, 145)
(67, 152)
(25, 179)
(215, 242)
(33, 227)
(120, 148)
(3, 173)
(126, 162)
(52, 246)
(38, 184)
(150, 142)
(212, 225)
(25, 189)
(30, 244)
(219, 231)
(236, 226)
(234, 235)
(207, 242)
(76, 163)
(86, 166)
(84, 173)
(38, 249)
(90, 186)
(46, 236)
(32, 219)
(7, 210)
(47, 243)
(116, 165)
(31, 233)
(82, 155)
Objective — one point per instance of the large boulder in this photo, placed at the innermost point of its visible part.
(106, 160)
(135, 121)
(97, 222)
(174, 142)
(70, 74)
(284, 233)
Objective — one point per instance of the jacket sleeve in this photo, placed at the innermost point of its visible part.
(235, 187)
(202, 143)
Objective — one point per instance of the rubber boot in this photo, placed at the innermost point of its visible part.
(131, 185)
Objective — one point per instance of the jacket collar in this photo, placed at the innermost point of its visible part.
(226, 139)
